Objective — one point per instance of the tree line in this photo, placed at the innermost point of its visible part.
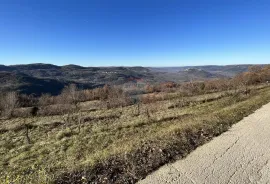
(115, 96)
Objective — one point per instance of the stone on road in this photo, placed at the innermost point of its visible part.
(240, 155)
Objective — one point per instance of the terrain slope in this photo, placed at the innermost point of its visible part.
(240, 155)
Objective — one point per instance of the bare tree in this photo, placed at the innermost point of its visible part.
(71, 95)
(9, 103)
(45, 100)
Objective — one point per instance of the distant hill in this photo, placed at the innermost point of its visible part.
(22, 83)
(46, 78)
(5, 68)
(188, 74)
(99, 75)
(197, 74)
(225, 70)
(41, 78)
(12, 81)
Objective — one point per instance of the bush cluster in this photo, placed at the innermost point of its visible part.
(113, 96)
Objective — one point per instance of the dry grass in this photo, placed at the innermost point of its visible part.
(117, 145)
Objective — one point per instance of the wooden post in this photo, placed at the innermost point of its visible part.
(27, 134)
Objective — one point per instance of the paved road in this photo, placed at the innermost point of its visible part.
(241, 155)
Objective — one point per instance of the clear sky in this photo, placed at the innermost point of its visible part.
(134, 32)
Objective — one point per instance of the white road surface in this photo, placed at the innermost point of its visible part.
(240, 155)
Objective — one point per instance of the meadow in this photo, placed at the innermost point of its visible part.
(100, 143)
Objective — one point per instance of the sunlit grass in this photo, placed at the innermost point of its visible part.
(56, 148)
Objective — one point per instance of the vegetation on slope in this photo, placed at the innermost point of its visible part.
(91, 77)
(122, 144)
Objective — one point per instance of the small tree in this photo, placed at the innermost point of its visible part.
(9, 103)
(71, 95)
(45, 100)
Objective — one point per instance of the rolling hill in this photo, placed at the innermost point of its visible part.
(41, 78)
(224, 70)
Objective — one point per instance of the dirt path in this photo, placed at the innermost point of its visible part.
(241, 155)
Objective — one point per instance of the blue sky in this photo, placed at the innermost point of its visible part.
(134, 32)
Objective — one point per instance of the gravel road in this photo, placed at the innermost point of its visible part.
(240, 155)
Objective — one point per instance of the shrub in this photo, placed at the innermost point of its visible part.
(64, 133)
(8, 103)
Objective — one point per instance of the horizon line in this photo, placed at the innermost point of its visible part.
(165, 66)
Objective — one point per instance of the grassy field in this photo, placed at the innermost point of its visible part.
(120, 145)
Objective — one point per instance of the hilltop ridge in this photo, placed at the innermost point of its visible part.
(38, 78)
